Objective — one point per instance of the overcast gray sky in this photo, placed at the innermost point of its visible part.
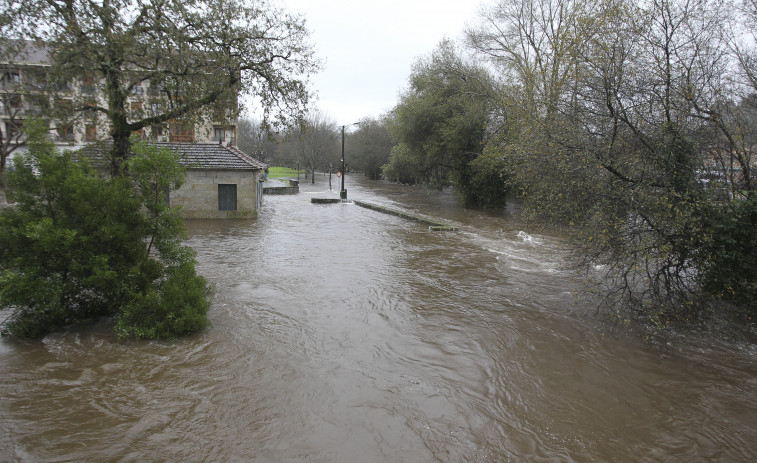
(369, 46)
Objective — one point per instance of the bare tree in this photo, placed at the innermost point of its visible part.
(254, 139)
(535, 45)
(196, 56)
(315, 142)
(11, 101)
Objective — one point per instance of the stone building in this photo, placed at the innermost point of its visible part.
(222, 182)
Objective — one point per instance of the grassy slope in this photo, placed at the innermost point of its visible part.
(278, 172)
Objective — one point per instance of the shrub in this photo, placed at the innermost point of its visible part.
(78, 245)
(728, 259)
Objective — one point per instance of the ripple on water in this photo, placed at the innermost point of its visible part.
(340, 334)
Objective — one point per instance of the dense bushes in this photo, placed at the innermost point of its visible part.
(440, 129)
(77, 245)
(727, 258)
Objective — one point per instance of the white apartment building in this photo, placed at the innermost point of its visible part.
(28, 90)
(222, 181)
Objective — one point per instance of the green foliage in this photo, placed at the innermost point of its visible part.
(67, 248)
(728, 259)
(75, 244)
(155, 173)
(440, 124)
(173, 306)
(404, 167)
(370, 147)
(281, 172)
(489, 181)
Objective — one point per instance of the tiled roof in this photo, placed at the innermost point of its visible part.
(203, 156)
(213, 156)
(26, 52)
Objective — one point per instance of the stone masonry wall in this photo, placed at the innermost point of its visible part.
(198, 197)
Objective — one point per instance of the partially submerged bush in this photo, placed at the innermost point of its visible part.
(78, 245)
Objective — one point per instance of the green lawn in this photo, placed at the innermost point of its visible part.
(278, 172)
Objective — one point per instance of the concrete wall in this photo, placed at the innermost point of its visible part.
(198, 197)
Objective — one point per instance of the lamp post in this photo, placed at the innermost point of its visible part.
(343, 192)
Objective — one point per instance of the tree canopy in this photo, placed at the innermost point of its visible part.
(195, 55)
(440, 124)
(77, 245)
(369, 146)
(626, 127)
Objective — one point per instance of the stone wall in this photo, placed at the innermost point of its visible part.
(198, 197)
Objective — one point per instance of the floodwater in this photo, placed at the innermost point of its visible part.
(340, 334)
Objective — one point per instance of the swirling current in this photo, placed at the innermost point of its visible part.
(340, 334)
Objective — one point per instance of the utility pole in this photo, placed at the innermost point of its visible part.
(343, 192)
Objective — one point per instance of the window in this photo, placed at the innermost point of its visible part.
(158, 133)
(35, 79)
(181, 132)
(156, 109)
(87, 85)
(136, 109)
(11, 104)
(137, 89)
(223, 135)
(64, 107)
(90, 132)
(10, 80)
(227, 197)
(63, 86)
(37, 104)
(64, 132)
(13, 130)
(155, 88)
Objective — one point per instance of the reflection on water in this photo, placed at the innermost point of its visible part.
(340, 334)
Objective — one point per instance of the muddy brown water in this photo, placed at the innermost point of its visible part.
(340, 334)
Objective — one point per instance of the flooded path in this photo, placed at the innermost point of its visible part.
(340, 334)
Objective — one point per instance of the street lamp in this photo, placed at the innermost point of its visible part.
(343, 192)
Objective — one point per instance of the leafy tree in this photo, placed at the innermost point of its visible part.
(490, 181)
(440, 125)
(177, 60)
(619, 130)
(77, 245)
(370, 146)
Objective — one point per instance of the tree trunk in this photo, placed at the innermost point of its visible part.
(120, 152)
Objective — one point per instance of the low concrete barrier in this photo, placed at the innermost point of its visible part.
(432, 224)
(281, 190)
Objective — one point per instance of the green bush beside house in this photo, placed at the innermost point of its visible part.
(76, 245)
